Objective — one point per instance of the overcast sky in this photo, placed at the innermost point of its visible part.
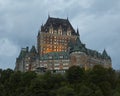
(98, 22)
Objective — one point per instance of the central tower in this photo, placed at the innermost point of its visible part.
(55, 35)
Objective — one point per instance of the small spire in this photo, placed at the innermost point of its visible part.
(42, 25)
(27, 49)
(104, 54)
(67, 17)
(48, 15)
(78, 42)
(78, 32)
(41, 28)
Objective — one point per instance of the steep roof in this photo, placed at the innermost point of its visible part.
(23, 52)
(55, 55)
(33, 50)
(105, 55)
(57, 23)
(77, 46)
(78, 32)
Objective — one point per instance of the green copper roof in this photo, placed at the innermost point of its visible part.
(105, 55)
(55, 56)
(77, 46)
(23, 52)
(33, 50)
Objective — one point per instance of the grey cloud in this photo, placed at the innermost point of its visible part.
(97, 20)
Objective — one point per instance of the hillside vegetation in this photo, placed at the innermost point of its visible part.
(75, 82)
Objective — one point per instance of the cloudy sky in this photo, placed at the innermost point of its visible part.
(98, 22)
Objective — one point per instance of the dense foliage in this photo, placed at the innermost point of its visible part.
(75, 82)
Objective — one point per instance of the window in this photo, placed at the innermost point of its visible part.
(65, 67)
(50, 57)
(65, 64)
(61, 56)
(56, 64)
(55, 32)
(69, 33)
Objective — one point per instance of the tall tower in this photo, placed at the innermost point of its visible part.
(54, 36)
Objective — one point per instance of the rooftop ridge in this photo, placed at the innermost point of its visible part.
(58, 18)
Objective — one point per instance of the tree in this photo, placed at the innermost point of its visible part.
(98, 74)
(65, 91)
(75, 74)
(27, 77)
(106, 88)
(5, 75)
(37, 88)
(116, 93)
(111, 77)
(85, 91)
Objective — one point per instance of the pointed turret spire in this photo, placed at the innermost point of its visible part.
(42, 27)
(78, 42)
(48, 15)
(105, 55)
(78, 32)
(67, 18)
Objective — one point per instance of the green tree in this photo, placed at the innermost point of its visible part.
(37, 88)
(85, 91)
(27, 77)
(116, 93)
(5, 75)
(98, 74)
(106, 88)
(111, 77)
(75, 74)
(65, 91)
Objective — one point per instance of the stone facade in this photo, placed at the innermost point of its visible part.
(59, 47)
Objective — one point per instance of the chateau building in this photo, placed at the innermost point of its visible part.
(59, 47)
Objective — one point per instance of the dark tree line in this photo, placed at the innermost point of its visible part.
(76, 81)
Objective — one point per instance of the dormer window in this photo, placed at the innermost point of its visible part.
(60, 30)
(55, 32)
(69, 33)
(51, 29)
